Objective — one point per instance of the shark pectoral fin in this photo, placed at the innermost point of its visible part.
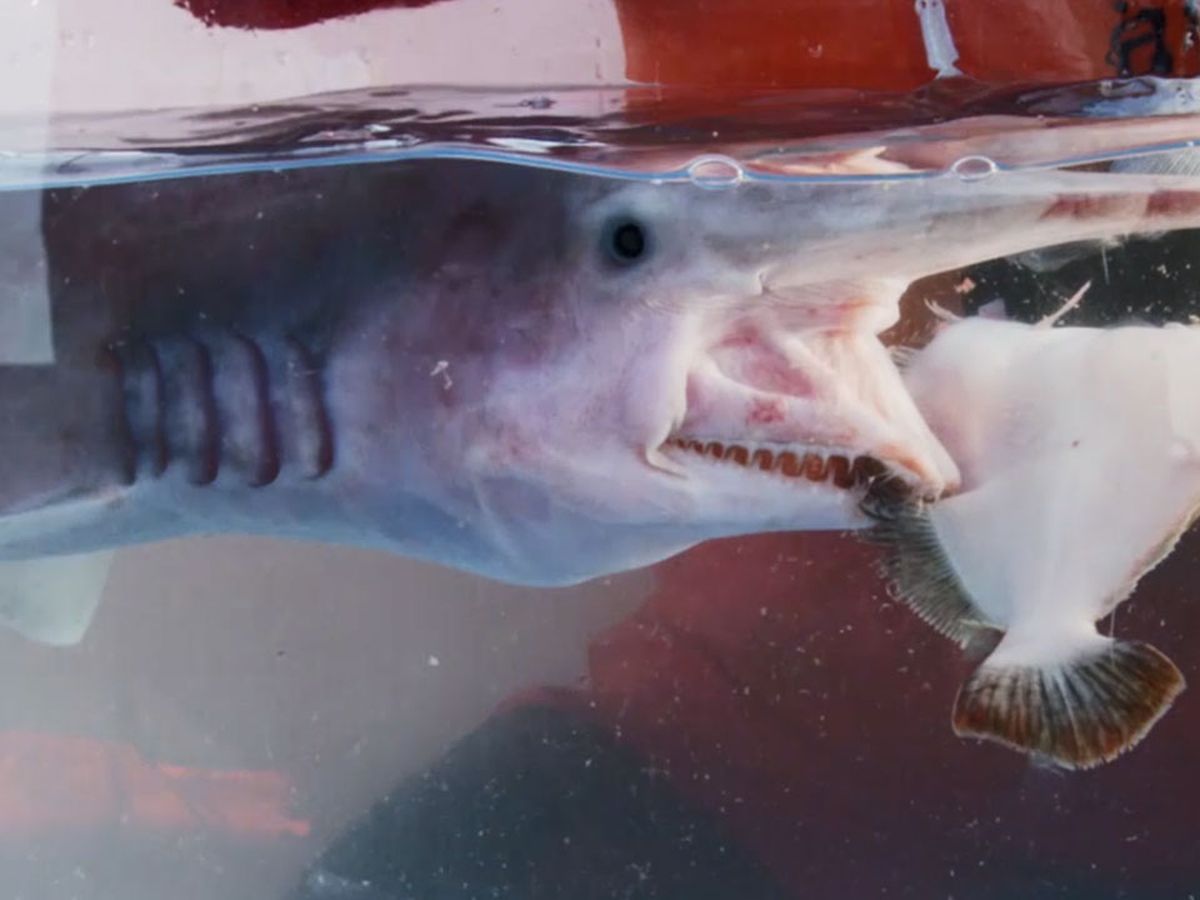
(52, 600)
(1076, 713)
(917, 570)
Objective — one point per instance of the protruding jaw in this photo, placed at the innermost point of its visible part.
(795, 426)
(637, 367)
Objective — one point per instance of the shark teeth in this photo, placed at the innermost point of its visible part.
(816, 464)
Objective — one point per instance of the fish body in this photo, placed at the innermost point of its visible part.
(536, 375)
(1079, 451)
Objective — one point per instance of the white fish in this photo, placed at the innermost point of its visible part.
(1079, 451)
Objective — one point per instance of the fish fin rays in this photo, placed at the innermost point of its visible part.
(1076, 714)
(52, 600)
(919, 573)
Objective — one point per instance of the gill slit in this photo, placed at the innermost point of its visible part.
(221, 403)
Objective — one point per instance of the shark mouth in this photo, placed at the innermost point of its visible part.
(820, 465)
(823, 410)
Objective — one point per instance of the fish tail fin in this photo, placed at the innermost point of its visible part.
(52, 600)
(1075, 714)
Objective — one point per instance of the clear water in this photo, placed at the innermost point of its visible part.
(753, 719)
(664, 134)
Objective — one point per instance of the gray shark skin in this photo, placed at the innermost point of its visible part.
(539, 376)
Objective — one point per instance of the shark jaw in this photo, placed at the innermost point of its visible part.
(795, 427)
(788, 486)
(840, 468)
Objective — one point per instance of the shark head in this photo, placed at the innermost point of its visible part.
(586, 374)
(733, 391)
(615, 370)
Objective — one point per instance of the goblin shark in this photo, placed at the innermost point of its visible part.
(540, 376)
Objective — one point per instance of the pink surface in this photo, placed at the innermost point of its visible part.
(83, 55)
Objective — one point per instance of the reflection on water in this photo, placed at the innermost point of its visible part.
(755, 718)
(619, 131)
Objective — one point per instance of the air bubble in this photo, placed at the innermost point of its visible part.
(715, 171)
(974, 168)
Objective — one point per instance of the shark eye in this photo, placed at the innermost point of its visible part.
(627, 241)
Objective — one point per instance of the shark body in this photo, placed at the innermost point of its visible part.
(535, 375)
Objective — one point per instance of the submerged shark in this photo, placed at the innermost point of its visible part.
(536, 375)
